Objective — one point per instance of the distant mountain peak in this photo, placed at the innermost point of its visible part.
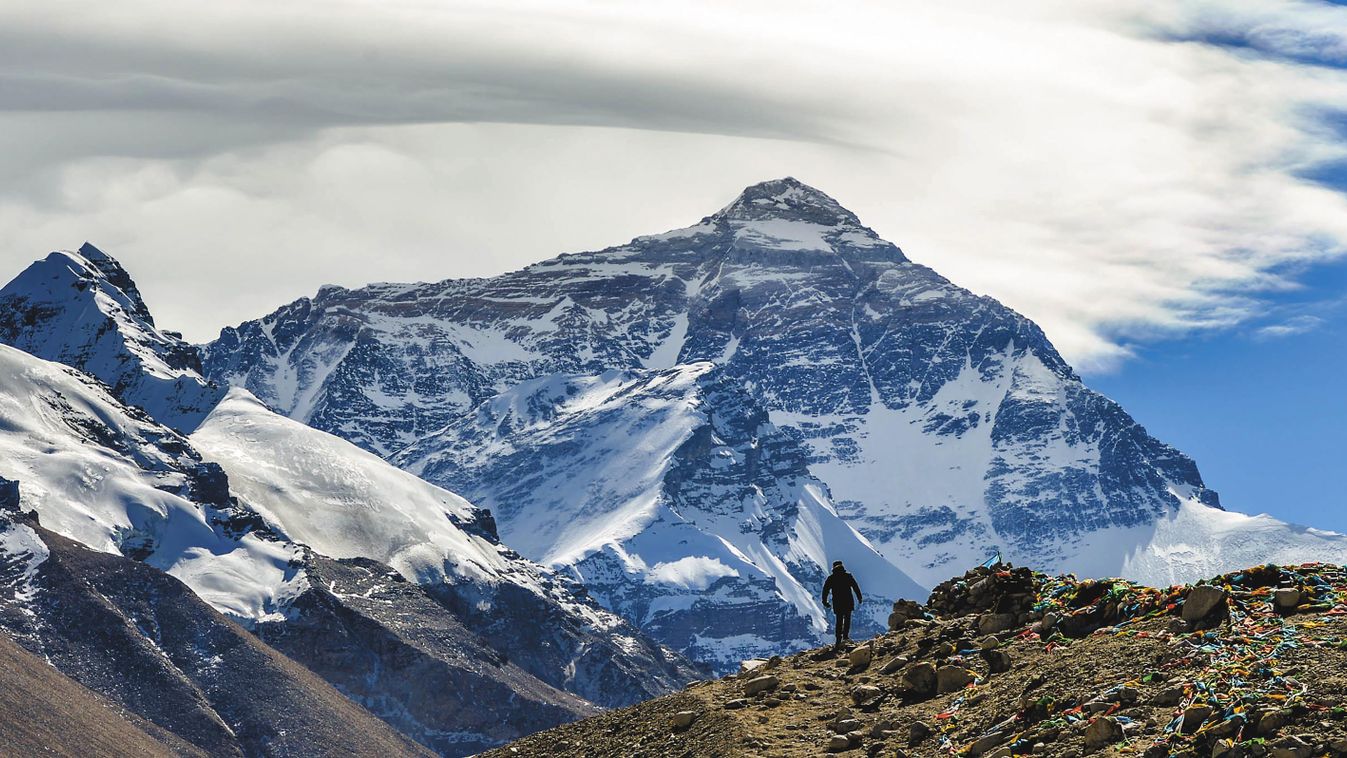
(786, 199)
(99, 263)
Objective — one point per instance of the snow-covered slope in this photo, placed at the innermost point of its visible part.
(945, 426)
(344, 502)
(116, 481)
(82, 309)
(705, 528)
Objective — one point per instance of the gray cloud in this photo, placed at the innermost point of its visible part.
(1108, 170)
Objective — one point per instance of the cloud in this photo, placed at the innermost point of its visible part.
(1289, 328)
(1118, 172)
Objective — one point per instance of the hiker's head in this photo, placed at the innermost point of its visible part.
(838, 567)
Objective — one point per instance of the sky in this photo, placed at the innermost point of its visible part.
(1158, 183)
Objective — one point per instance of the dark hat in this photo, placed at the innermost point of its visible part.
(837, 564)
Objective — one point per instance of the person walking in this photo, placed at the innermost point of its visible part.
(840, 585)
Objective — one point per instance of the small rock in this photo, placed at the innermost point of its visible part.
(893, 664)
(952, 679)
(1194, 716)
(1127, 695)
(736, 704)
(683, 719)
(838, 742)
(1201, 601)
(943, 650)
(865, 693)
(920, 679)
(761, 684)
(988, 643)
(1104, 730)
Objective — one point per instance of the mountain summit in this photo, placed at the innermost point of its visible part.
(696, 422)
(84, 310)
(787, 199)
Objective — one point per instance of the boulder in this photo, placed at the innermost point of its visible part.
(918, 732)
(952, 679)
(1270, 722)
(920, 679)
(1201, 601)
(1291, 747)
(752, 664)
(845, 725)
(838, 742)
(859, 659)
(683, 719)
(865, 693)
(1286, 598)
(987, 743)
(894, 664)
(993, 623)
(1103, 731)
(761, 684)
(1168, 696)
(1194, 716)
(998, 661)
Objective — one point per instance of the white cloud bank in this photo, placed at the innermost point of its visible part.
(1099, 166)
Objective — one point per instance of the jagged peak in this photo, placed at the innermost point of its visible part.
(90, 263)
(787, 198)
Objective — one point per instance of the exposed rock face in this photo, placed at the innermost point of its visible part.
(388, 645)
(82, 309)
(847, 345)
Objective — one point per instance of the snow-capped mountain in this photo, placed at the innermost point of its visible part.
(944, 426)
(455, 614)
(82, 309)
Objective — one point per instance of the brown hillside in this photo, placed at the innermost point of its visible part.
(43, 712)
(1008, 662)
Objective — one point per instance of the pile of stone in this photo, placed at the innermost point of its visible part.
(1002, 597)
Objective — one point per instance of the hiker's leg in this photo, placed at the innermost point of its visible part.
(837, 625)
(844, 625)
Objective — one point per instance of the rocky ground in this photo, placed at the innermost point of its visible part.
(1007, 662)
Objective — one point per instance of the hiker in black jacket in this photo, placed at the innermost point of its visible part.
(840, 585)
